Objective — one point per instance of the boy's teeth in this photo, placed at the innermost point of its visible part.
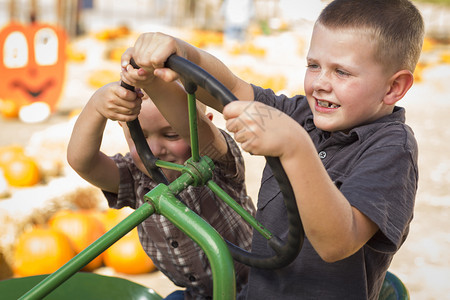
(326, 104)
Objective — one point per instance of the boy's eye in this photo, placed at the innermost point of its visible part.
(312, 66)
(172, 136)
(342, 73)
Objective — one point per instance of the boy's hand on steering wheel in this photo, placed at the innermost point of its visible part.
(261, 129)
(117, 103)
(150, 53)
(138, 78)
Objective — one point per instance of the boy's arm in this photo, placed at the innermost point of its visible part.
(170, 97)
(151, 51)
(335, 229)
(83, 152)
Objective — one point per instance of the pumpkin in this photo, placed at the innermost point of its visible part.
(8, 152)
(428, 44)
(275, 82)
(115, 54)
(32, 63)
(9, 109)
(41, 251)
(419, 71)
(4, 190)
(203, 38)
(445, 57)
(127, 256)
(101, 77)
(75, 55)
(113, 33)
(82, 228)
(111, 217)
(21, 171)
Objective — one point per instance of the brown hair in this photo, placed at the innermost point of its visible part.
(395, 25)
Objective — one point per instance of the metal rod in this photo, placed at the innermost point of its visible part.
(169, 165)
(192, 108)
(211, 242)
(237, 208)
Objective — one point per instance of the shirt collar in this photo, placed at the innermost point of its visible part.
(361, 132)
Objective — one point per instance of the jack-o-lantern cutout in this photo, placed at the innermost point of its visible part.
(32, 63)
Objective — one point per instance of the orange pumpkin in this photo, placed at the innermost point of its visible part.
(82, 228)
(101, 77)
(21, 171)
(32, 63)
(111, 217)
(41, 251)
(127, 256)
(8, 152)
(9, 108)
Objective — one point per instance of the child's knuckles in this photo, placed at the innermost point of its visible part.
(172, 75)
(232, 110)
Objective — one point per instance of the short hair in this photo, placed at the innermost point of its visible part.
(396, 26)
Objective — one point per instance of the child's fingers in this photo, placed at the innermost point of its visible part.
(232, 114)
(126, 57)
(151, 53)
(166, 74)
(124, 110)
(153, 49)
(129, 110)
(124, 93)
(250, 123)
(239, 120)
(139, 93)
(236, 108)
(131, 76)
(118, 112)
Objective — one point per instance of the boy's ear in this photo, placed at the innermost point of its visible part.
(210, 116)
(400, 83)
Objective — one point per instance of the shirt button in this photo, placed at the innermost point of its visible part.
(322, 154)
(174, 244)
(192, 278)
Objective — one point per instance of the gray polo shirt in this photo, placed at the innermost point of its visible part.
(375, 167)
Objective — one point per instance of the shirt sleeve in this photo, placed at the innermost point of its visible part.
(231, 165)
(126, 194)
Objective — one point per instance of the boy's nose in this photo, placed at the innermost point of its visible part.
(322, 82)
(156, 147)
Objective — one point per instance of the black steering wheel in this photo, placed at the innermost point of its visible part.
(193, 76)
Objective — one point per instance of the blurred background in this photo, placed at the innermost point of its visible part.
(54, 54)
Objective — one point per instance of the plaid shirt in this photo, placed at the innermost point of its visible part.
(174, 253)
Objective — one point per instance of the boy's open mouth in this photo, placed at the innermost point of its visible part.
(326, 104)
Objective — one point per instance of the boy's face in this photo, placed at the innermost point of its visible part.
(344, 84)
(164, 142)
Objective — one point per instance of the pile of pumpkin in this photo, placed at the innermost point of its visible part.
(44, 249)
(277, 82)
(17, 169)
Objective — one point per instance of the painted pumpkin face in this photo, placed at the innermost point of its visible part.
(32, 63)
